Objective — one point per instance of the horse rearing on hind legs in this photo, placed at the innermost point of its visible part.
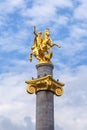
(42, 48)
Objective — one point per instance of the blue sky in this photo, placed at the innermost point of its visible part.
(67, 21)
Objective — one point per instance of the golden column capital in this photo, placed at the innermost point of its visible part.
(46, 83)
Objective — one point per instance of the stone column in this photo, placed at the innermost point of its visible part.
(44, 101)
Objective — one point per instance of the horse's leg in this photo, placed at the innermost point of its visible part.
(38, 55)
(30, 57)
(55, 45)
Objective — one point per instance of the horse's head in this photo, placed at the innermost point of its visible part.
(46, 33)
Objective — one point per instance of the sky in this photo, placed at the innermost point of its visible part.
(67, 21)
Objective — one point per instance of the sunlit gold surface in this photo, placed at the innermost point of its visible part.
(42, 48)
(45, 83)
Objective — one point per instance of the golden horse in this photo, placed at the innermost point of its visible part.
(42, 48)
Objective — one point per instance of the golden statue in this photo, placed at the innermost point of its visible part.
(42, 48)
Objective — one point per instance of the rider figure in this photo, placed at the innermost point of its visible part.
(38, 39)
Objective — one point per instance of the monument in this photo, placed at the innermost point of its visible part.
(44, 86)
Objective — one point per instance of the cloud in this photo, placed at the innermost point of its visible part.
(78, 32)
(7, 124)
(48, 12)
(57, 127)
(9, 6)
(8, 43)
(71, 118)
(69, 108)
(75, 42)
(80, 11)
(36, 15)
(57, 3)
(14, 100)
(63, 20)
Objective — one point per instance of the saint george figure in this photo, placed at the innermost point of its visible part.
(37, 44)
(38, 39)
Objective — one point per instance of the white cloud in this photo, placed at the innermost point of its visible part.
(78, 31)
(69, 108)
(75, 42)
(71, 118)
(7, 124)
(57, 3)
(43, 13)
(15, 102)
(63, 20)
(9, 6)
(80, 11)
(8, 43)
(40, 17)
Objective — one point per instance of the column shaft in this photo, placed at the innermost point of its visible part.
(44, 102)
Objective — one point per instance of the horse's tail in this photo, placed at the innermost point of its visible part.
(51, 53)
(30, 57)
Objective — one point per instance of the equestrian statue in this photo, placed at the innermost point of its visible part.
(42, 48)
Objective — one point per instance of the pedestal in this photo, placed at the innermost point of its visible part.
(44, 86)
